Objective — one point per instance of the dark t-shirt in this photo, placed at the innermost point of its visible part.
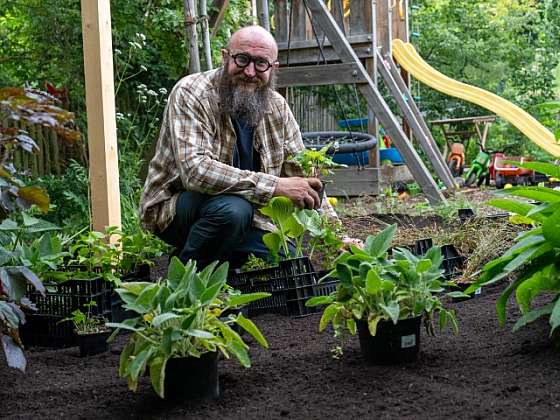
(244, 155)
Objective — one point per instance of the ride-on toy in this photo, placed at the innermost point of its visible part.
(456, 159)
(507, 173)
(479, 170)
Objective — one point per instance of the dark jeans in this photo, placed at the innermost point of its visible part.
(208, 228)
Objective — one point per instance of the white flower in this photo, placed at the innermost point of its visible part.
(163, 91)
(141, 36)
(143, 68)
(117, 51)
(135, 44)
(151, 93)
(141, 87)
(119, 116)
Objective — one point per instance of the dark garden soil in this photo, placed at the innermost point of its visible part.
(484, 372)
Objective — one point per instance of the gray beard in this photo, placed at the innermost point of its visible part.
(239, 103)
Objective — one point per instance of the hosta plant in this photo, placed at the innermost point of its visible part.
(376, 287)
(533, 261)
(180, 316)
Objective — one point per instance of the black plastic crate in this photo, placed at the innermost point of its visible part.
(43, 327)
(291, 284)
(452, 262)
(421, 246)
(141, 273)
(326, 287)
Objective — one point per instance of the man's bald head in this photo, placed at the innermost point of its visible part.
(254, 38)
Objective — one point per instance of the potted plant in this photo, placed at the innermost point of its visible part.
(178, 333)
(385, 299)
(90, 329)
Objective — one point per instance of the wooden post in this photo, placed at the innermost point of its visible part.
(205, 35)
(216, 18)
(262, 12)
(100, 105)
(191, 36)
(377, 103)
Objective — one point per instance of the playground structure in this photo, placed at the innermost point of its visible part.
(354, 42)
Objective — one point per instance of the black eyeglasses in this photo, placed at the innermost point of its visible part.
(242, 60)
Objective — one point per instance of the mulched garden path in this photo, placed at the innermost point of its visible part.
(484, 372)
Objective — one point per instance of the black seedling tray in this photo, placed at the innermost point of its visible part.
(291, 284)
(43, 327)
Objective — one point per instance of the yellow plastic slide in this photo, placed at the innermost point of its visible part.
(411, 61)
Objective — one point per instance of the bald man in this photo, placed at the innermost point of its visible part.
(221, 154)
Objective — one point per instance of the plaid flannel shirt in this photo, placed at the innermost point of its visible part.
(195, 152)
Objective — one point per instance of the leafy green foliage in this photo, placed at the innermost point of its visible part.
(179, 316)
(374, 287)
(316, 162)
(86, 323)
(533, 259)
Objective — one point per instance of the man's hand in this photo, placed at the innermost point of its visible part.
(304, 192)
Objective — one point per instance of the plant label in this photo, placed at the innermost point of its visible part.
(478, 291)
(408, 341)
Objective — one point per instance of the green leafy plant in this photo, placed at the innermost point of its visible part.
(86, 323)
(179, 316)
(137, 249)
(375, 288)
(254, 263)
(534, 258)
(94, 252)
(315, 163)
(281, 212)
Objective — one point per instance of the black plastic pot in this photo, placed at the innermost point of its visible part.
(393, 343)
(95, 343)
(188, 378)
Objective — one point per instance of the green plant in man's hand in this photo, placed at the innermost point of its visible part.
(179, 316)
(375, 288)
(315, 163)
(534, 258)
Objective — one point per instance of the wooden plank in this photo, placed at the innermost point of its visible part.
(309, 56)
(360, 17)
(377, 103)
(338, 13)
(281, 21)
(382, 20)
(318, 75)
(191, 36)
(262, 13)
(351, 182)
(404, 99)
(101, 123)
(298, 20)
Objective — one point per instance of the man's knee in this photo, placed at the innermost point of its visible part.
(230, 210)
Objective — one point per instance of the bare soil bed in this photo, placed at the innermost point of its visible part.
(484, 372)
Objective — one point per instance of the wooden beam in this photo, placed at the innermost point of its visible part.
(262, 12)
(377, 103)
(330, 74)
(412, 114)
(100, 104)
